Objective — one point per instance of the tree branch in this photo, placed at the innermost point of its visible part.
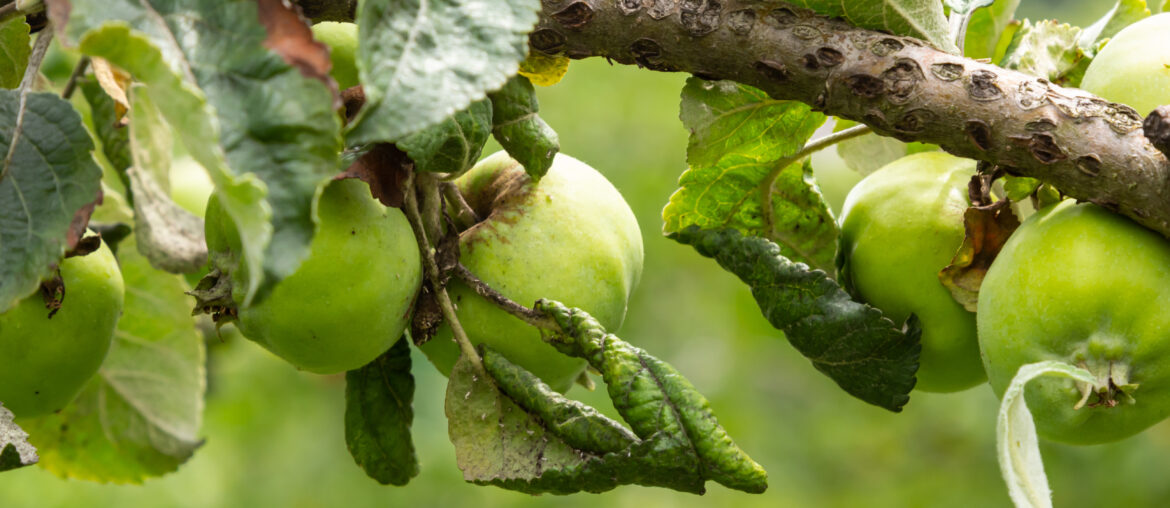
(1086, 147)
(527, 314)
(1157, 128)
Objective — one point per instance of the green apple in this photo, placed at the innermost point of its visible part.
(342, 39)
(44, 362)
(350, 300)
(900, 226)
(569, 237)
(190, 185)
(1086, 286)
(1134, 67)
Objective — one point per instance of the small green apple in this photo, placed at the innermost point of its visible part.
(1134, 67)
(900, 226)
(350, 300)
(45, 361)
(569, 237)
(190, 185)
(342, 39)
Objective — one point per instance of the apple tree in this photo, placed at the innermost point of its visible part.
(351, 218)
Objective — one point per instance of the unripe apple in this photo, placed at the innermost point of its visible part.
(350, 300)
(342, 39)
(900, 226)
(569, 237)
(44, 362)
(1134, 67)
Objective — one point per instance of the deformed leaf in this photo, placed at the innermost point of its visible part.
(453, 145)
(865, 353)
(987, 229)
(290, 37)
(579, 425)
(114, 139)
(741, 172)
(385, 169)
(923, 19)
(422, 60)
(519, 128)
(378, 416)
(1017, 446)
(267, 134)
(15, 450)
(170, 237)
(504, 441)
(47, 176)
(655, 399)
(1049, 50)
(14, 51)
(140, 415)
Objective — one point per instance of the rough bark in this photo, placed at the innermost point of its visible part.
(1157, 128)
(1088, 148)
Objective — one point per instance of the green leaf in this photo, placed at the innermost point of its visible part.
(15, 450)
(1018, 188)
(151, 143)
(522, 435)
(140, 415)
(266, 133)
(422, 60)
(742, 174)
(987, 26)
(1016, 442)
(923, 19)
(966, 6)
(453, 145)
(378, 416)
(655, 399)
(1123, 14)
(520, 130)
(866, 354)
(1048, 50)
(14, 51)
(115, 140)
(579, 425)
(48, 175)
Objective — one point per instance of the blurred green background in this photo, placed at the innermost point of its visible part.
(274, 435)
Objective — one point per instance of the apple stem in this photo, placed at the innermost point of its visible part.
(427, 250)
(528, 315)
(78, 72)
(464, 215)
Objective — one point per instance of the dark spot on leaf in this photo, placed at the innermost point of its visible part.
(385, 169)
(289, 36)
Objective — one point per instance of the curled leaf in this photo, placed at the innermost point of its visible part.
(15, 451)
(520, 130)
(655, 398)
(987, 229)
(868, 355)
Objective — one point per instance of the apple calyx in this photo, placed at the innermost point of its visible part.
(1110, 390)
(213, 295)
